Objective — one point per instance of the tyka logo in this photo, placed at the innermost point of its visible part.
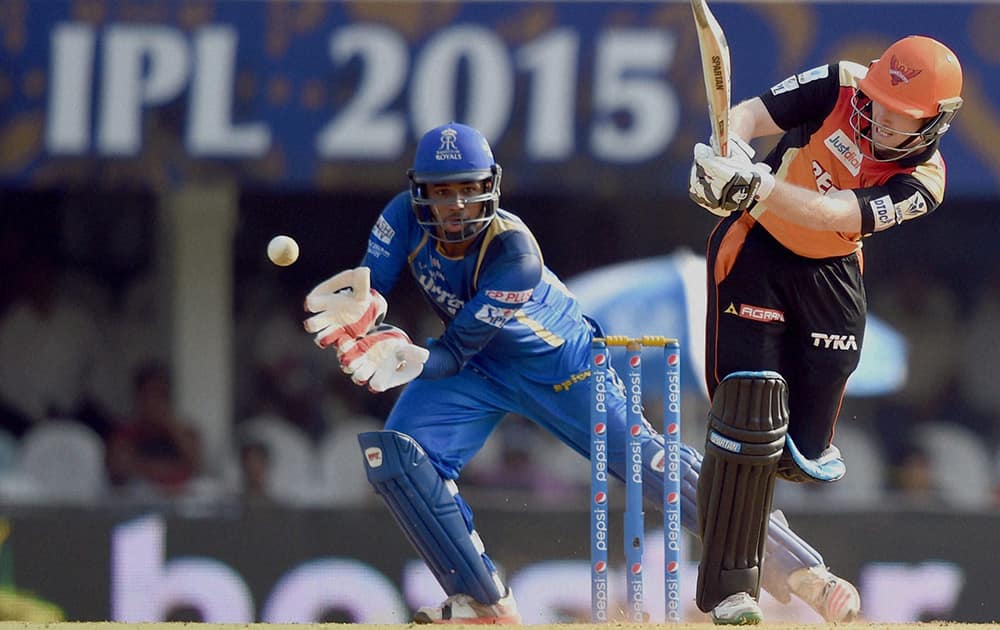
(834, 342)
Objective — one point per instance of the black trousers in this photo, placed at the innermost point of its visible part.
(771, 309)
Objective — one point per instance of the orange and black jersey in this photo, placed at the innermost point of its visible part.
(819, 151)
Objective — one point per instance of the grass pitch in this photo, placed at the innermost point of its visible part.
(12, 625)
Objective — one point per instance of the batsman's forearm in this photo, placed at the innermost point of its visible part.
(837, 212)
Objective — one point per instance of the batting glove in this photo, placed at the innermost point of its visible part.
(382, 359)
(739, 149)
(723, 185)
(345, 307)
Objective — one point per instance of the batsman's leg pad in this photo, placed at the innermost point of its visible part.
(794, 466)
(786, 551)
(433, 516)
(747, 425)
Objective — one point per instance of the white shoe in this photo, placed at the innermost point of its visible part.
(834, 598)
(463, 609)
(738, 609)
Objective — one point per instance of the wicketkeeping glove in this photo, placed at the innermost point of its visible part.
(382, 359)
(346, 308)
(723, 185)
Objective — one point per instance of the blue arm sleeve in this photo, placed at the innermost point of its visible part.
(441, 362)
(389, 243)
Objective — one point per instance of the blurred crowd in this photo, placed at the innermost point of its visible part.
(87, 412)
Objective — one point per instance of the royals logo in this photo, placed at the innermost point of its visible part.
(899, 72)
(448, 149)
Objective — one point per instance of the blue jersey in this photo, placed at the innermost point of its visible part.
(502, 308)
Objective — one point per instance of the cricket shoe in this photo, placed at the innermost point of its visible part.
(463, 609)
(834, 598)
(738, 609)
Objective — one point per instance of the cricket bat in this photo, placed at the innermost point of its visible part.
(716, 72)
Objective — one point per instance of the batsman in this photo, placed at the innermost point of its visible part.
(515, 340)
(858, 155)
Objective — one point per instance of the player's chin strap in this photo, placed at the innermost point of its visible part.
(794, 466)
(431, 513)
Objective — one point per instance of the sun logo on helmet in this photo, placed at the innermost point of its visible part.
(900, 73)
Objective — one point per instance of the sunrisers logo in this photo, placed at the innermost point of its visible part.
(844, 149)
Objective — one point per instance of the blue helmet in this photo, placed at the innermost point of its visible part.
(451, 154)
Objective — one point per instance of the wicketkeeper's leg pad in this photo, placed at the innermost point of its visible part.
(433, 516)
(747, 425)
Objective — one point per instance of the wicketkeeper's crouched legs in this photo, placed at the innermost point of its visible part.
(438, 523)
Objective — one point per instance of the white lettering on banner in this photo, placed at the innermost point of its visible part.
(67, 129)
(365, 127)
(141, 67)
(629, 78)
(145, 585)
(145, 588)
(210, 130)
(125, 70)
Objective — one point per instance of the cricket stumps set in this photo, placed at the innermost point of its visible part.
(600, 518)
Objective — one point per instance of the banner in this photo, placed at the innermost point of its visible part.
(238, 565)
(586, 98)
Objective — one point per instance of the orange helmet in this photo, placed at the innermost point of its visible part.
(917, 76)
